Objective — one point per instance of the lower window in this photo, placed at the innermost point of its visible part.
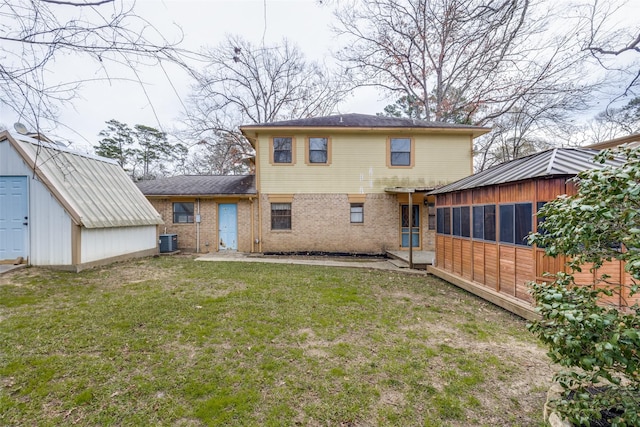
(183, 212)
(357, 212)
(281, 216)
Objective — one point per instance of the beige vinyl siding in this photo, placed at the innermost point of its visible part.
(358, 164)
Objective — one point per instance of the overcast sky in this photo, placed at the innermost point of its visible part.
(203, 22)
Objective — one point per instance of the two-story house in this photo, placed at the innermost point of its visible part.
(353, 183)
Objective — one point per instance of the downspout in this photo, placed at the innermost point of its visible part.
(252, 225)
(411, 230)
(198, 228)
(259, 225)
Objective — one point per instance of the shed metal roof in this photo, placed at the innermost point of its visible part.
(554, 162)
(199, 185)
(95, 190)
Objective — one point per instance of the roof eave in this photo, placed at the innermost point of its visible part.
(615, 142)
(207, 195)
(252, 131)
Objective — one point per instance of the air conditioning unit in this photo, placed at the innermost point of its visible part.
(168, 243)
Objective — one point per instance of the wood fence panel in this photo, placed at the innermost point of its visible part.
(440, 251)
(467, 260)
(612, 269)
(525, 271)
(491, 265)
(517, 192)
(448, 254)
(457, 256)
(507, 270)
(478, 262)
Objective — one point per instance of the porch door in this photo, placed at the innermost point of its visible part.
(14, 219)
(404, 226)
(228, 227)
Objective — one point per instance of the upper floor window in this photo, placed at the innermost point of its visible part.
(183, 212)
(318, 150)
(400, 152)
(282, 150)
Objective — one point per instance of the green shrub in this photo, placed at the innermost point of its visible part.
(598, 345)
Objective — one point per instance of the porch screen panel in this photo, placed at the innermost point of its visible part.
(506, 223)
(523, 223)
(490, 223)
(465, 221)
(478, 222)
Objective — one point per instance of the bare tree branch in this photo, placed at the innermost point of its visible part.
(247, 84)
(484, 62)
(36, 34)
(70, 3)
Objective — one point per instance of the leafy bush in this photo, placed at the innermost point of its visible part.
(598, 344)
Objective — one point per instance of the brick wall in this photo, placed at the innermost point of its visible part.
(187, 233)
(321, 223)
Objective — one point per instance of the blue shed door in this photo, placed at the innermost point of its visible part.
(228, 227)
(14, 219)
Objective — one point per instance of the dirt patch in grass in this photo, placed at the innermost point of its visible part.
(173, 342)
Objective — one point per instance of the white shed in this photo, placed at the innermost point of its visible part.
(69, 210)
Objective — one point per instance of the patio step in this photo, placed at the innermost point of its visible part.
(399, 263)
(421, 259)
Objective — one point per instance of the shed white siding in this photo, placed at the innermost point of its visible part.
(49, 228)
(101, 243)
(83, 210)
(49, 223)
(10, 162)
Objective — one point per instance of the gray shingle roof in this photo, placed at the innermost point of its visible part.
(364, 120)
(199, 185)
(554, 162)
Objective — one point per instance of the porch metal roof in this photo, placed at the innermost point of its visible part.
(555, 162)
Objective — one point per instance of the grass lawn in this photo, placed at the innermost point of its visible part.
(170, 341)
